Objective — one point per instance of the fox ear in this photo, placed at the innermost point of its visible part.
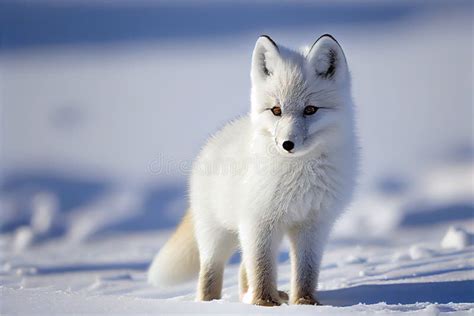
(327, 59)
(264, 52)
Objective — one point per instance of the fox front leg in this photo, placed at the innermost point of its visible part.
(215, 247)
(259, 246)
(307, 245)
(244, 285)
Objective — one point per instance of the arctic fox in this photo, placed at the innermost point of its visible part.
(286, 168)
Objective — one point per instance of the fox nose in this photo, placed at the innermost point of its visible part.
(288, 145)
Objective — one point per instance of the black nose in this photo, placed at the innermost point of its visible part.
(288, 145)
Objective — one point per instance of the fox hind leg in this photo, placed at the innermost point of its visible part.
(243, 281)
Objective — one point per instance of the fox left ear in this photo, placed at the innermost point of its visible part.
(263, 58)
(327, 59)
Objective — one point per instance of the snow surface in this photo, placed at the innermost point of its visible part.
(97, 140)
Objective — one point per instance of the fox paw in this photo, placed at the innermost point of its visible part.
(269, 301)
(283, 296)
(306, 300)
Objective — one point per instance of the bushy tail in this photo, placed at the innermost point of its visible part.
(178, 260)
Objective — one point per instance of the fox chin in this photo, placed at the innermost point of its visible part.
(287, 168)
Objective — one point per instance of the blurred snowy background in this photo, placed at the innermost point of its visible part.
(104, 105)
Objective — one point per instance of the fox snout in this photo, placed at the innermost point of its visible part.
(290, 134)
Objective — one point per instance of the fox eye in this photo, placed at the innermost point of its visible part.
(276, 110)
(310, 110)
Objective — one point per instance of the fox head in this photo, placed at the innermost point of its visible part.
(300, 100)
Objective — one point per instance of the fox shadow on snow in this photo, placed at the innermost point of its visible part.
(401, 293)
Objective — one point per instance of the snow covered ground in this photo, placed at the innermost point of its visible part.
(97, 140)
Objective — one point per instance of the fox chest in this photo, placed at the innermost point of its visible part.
(294, 194)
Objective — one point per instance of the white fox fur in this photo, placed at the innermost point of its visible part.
(247, 191)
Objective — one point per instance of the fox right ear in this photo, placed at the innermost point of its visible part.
(327, 59)
(264, 52)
